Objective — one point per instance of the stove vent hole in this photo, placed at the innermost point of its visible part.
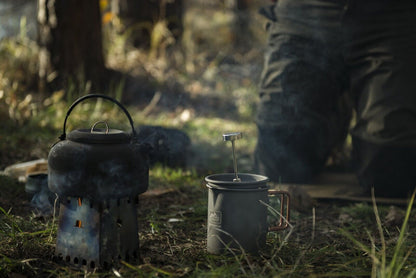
(106, 265)
(58, 257)
(92, 264)
(84, 262)
(78, 224)
(76, 260)
(68, 259)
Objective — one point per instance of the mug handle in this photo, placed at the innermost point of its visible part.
(284, 213)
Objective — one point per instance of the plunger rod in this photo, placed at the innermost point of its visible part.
(232, 137)
(235, 164)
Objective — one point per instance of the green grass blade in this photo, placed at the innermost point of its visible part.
(398, 248)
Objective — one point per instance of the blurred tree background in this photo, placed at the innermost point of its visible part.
(70, 43)
(70, 33)
(166, 59)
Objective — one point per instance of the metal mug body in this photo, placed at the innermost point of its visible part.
(237, 213)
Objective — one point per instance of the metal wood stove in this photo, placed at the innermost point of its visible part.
(98, 175)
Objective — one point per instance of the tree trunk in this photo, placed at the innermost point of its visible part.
(241, 20)
(70, 39)
(141, 16)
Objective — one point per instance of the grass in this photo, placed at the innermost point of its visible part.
(378, 255)
(173, 237)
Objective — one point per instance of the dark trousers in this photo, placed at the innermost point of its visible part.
(324, 59)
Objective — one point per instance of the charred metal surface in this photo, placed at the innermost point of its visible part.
(97, 171)
(119, 231)
(78, 232)
(97, 234)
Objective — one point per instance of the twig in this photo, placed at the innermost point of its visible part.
(53, 216)
(152, 103)
(313, 223)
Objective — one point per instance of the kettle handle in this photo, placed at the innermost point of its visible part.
(76, 102)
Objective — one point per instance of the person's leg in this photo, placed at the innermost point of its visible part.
(382, 58)
(301, 115)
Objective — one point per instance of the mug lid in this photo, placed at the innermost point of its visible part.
(248, 181)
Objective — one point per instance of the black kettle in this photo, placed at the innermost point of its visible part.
(98, 163)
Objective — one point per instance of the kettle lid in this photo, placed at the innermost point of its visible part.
(99, 136)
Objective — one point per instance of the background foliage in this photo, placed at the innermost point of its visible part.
(205, 90)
